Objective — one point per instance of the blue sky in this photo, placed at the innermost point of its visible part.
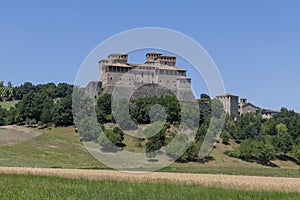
(255, 44)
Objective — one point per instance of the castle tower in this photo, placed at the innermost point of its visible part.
(151, 56)
(230, 103)
(243, 102)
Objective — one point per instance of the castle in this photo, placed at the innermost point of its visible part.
(158, 76)
(159, 72)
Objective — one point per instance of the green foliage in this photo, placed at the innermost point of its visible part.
(63, 90)
(22, 90)
(111, 137)
(119, 132)
(291, 119)
(192, 153)
(249, 126)
(104, 113)
(177, 146)
(3, 114)
(225, 137)
(269, 127)
(283, 141)
(296, 152)
(201, 132)
(11, 117)
(62, 112)
(46, 115)
(247, 149)
(265, 152)
(141, 107)
(152, 146)
(204, 96)
(233, 153)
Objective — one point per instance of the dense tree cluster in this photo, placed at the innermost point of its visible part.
(42, 104)
(262, 139)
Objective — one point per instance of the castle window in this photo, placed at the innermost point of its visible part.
(142, 74)
(110, 78)
(166, 63)
(152, 74)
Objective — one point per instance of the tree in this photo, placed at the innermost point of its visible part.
(11, 117)
(249, 126)
(225, 137)
(201, 132)
(204, 96)
(63, 90)
(177, 147)
(26, 107)
(46, 115)
(62, 112)
(114, 136)
(119, 132)
(269, 127)
(103, 109)
(9, 84)
(296, 152)
(264, 152)
(3, 114)
(22, 90)
(282, 142)
(151, 148)
(247, 149)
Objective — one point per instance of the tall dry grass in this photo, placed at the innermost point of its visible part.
(223, 181)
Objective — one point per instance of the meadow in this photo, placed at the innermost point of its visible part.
(61, 148)
(8, 104)
(42, 187)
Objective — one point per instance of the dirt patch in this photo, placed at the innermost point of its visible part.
(15, 134)
(224, 181)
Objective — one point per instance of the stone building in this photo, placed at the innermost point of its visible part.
(230, 103)
(232, 106)
(158, 69)
(245, 107)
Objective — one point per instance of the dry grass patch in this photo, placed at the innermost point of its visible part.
(209, 180)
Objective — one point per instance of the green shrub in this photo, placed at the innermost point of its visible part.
(233, 153)
(225, 137)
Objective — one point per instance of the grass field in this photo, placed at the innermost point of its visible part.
(61, 148)
(7, 104)
(16, 134)
(41, 187)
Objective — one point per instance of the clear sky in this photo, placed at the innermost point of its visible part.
(255, 44)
